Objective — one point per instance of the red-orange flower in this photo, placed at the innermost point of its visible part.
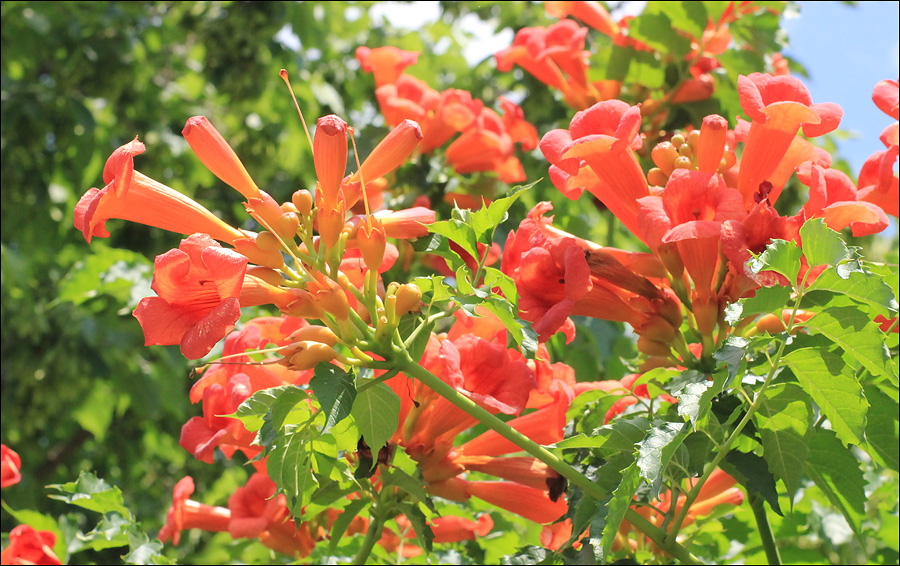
(602, 138)
(188, 514)
(198, 287)
(385, 63)
(591, 13)
(28, 546)
(11, 467)
(778, 106)
(129, 195)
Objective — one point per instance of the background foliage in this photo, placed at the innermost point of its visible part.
(79, 390)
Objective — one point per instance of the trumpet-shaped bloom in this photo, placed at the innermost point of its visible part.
(833, 197)
(385, 63)
(602, 138)
(198, 287)
(29, 546)
(778, 106)
(591, 13)
(188, 514)
(138, 198)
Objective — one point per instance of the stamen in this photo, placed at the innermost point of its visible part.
(362, 182)
(284, 75)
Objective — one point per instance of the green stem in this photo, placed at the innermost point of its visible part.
(372, 536)
(710, 467)
(765, 530)
(413, 369)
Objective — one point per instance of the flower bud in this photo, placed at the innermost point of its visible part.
(372, 241)
(214, 152)
(408, 298)
(314, 334)
(303, 200)
(306, 355)
(330, 156)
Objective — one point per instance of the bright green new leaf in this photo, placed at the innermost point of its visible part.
(821, 244)
(862, 287)
(781, 256)
(93, 493)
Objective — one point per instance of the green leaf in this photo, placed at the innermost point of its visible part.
(781, 257)
(694, 401)
(110, 532)
(837, 473)
(654, 27)
(857, 335)
(832, 384)
(623, 434)
(821, 244)
(457, 231)
(617, 505)
(289, 464)
(766, 300)
(753, 473)
(121, 274)
(278, 401)
(521, 331)
(395, 477)
(656, 450)
(376, 413)
(92, 493)
(883, 427)
(732, 354)
(143, 550)
(784, 420)
(424, 534)
(862, 287)
(98, 409)
(485, 220)
(339, 527)
(335, 390)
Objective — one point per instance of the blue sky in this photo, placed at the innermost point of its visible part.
(846, 50)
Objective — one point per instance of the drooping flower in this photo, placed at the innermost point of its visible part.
(602, 138)
(591, 13)
(198, 287)
(130, 195)
(29, 546)
(11, 465)
(878, 183)
(778, 106)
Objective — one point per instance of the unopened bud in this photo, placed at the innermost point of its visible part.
(652, 347)
(408, 298)
(372, 241)
(664, 155)
(303, 200)
(306, 355)
(288, 224)
(315, 334)
(268, 242)
(656, 177)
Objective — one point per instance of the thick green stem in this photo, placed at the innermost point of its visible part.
(757, 504)
(413, 369)
(372, 536)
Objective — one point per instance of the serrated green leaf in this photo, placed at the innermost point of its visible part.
(110, 532)
(253, 410)
(784, 421)
(654, 27)
(767, 300)
(781, 256)
(693, 401)
(92, 493)
(521, 331)
(836, 471)
(623, 434)
(396, 477)
(376, 413)
(618, 504)
(335, 390)
(289, 464)
(857, 335)
(821, 244)
(883, 427)
(860, 286)
(142, 550)
(656, 450)
(732, 355)
(458, 232)
(832, 384)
